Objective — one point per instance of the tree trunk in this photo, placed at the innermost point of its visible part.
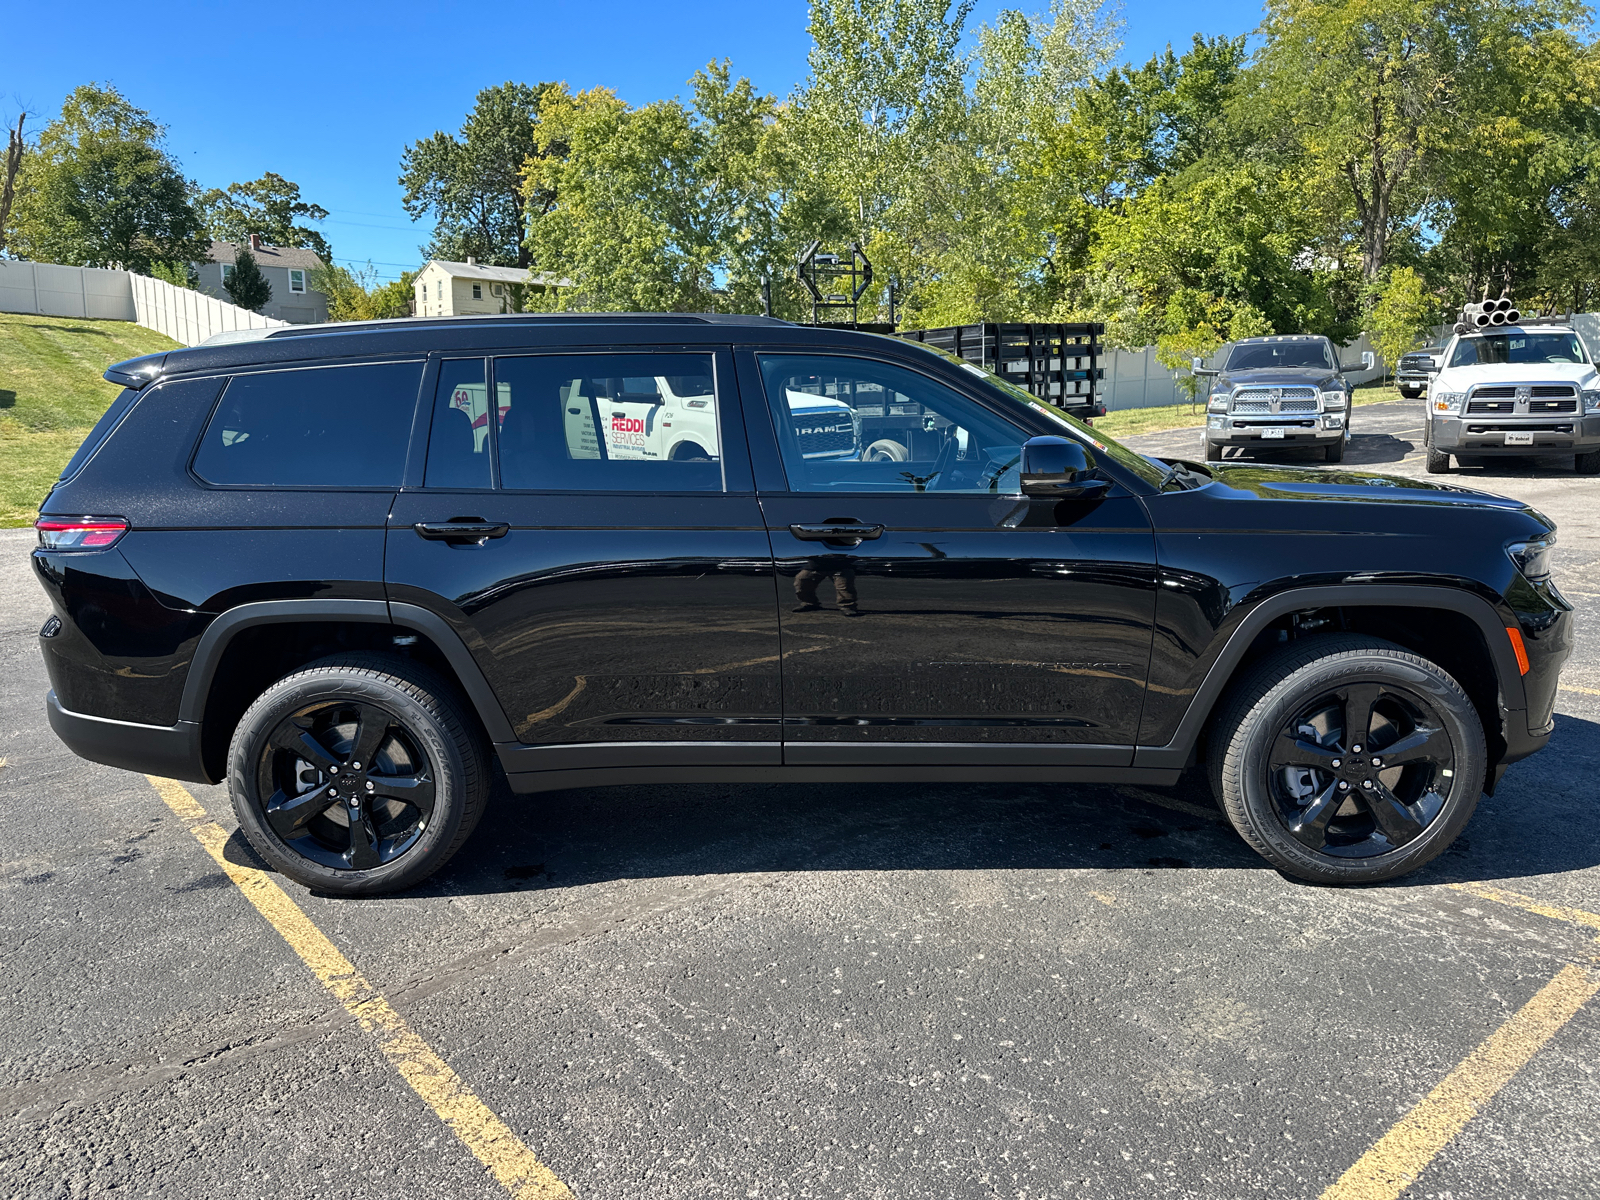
(8, 187)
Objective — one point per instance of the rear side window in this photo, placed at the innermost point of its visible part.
(317, 427)
(608, 423)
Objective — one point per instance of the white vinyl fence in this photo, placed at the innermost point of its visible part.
(187, 317)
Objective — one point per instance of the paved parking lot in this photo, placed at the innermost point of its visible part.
(785, 991)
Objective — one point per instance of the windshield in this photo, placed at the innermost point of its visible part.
(1518, 347)
(1257, 356)
(1138, 464)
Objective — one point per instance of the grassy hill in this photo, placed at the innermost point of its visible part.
(51, 394)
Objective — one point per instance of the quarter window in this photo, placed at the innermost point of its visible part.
(609, 423)
(855, 425)
(319, 427)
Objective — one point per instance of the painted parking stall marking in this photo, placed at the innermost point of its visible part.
(513, 1165)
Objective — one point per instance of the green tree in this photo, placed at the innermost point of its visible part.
(99, 190)
(1402, 312)
(179, 274)
(269, 206)
(246, 285)
(471, 183)
(359, 296)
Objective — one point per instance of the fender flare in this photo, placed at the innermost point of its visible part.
(217, 636)
(1513, 696)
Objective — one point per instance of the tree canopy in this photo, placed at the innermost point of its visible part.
(269, 206)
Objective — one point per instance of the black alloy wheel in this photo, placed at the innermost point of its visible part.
(358, 774)
(1361, 771)
(1342, 758)
(346, 785)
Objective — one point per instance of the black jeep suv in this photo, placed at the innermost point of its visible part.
(347, 568)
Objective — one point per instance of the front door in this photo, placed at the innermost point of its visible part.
(947, 609)
(618, 588)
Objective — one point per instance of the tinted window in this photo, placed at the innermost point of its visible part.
(458, 444)
(609, 422)
(322, 427)
(854, 425)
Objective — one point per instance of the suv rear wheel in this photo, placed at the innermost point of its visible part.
(357, 774)
(1345, 759)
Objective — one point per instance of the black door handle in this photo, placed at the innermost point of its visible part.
(841, 532)
(472, 530)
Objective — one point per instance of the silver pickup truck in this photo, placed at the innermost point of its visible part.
(1287, 391)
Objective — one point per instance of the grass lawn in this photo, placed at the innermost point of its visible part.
(1129, 422)
(51, 394)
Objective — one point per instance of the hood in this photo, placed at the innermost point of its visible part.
(1278, 377)
(1356, 487)
(1558, 372)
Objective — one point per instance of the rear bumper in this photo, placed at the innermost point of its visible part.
(172, 751)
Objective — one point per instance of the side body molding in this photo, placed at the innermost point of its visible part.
(208, 653)
(1512, 695)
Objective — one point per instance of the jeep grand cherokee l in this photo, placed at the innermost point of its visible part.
(291, 560)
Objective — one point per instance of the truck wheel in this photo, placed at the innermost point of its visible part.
(1213, 451)
(1346, 759)
(886, 450)
(1587, 464)
(1437, 463)
(1408, 393)
(690, 452)
(357, 774)
(1334, 453)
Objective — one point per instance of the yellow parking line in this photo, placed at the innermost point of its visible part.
(512, 1164)
(1570, 687)
(1556, 912)
(1395, 1162)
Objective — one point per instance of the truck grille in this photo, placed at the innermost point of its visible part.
(1547, 398)
(824, 434)
(1264, 407)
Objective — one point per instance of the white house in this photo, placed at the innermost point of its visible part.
(449, 289)
(288, 271)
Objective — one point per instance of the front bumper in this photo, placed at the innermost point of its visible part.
(1562, 433)
(172, 751)
(1224, 429)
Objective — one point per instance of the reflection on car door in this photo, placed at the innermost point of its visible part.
(955, 612)
(629, 602)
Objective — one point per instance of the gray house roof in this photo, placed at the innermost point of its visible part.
(267, 256)
(461, 270)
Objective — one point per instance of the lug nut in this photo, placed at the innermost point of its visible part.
(333, 770)
(357, 766)
(1337, 763)
(1353, 750)
(370, 785)
(1366, 783)
(1377, 762)
(332, 795)
(1343, 786)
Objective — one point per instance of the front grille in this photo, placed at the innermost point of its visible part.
(1264, 407)
(1563, 390)
(1491, 406)
(824, 434)
(1551, 406)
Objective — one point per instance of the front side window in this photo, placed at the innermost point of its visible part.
(297, 280)
(317, 427)
(855, 425)
(609, 423)
(1519, 347)
(1256, 356)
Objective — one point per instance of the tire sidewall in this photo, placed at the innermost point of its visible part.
(1262, 726)
(321, 686)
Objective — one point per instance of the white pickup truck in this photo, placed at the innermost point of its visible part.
(1525, 389)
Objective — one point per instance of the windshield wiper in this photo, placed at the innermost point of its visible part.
(1174, 474)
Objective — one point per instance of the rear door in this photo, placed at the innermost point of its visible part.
(626, 613)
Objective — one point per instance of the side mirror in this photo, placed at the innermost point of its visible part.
(1199, 367)
(1368, 360)
(1059, 468)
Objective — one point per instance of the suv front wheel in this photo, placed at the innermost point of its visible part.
(1345, 759)
(357, 774)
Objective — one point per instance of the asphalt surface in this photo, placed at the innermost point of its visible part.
(774, 991)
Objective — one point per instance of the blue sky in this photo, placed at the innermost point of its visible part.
(329, 94)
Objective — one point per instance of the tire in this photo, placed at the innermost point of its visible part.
(1212, 451)
(690, 452)
(425, 786)
(886, 450)
(1437, 463)
(1587, 464)
(1408, 393)
(1334, 453)
(1316, 822)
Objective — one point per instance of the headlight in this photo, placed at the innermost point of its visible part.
(1532, 558)
(1446, 402)
(1219, 401)
(1333, 399)
(1217, 422)
(1591, 402)
(1333, 422)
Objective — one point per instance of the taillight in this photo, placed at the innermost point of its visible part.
(79, 533)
